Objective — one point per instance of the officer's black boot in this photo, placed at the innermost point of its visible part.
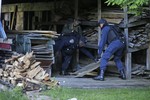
(62, 73)
(101, 76)
(122, 74)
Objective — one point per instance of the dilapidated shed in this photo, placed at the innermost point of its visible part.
(34, 24)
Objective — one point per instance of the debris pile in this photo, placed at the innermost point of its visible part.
(24, 70)
(139, 37)
(140, 70)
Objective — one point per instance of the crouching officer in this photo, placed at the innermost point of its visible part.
(68, 45)
(114, 47)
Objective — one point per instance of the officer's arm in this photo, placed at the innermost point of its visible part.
(103, 40)
(86, 52)
(61, 45)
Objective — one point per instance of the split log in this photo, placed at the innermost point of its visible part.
(22, 69)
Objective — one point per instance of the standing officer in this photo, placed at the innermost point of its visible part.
(114, 47)
(68, 45)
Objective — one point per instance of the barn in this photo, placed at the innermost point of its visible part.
(33, 26)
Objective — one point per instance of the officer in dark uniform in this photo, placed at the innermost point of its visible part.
(114, 47)
(68, 45)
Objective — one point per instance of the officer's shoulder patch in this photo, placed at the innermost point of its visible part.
(71, 41)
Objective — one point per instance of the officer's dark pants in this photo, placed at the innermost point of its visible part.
(66, 60)
(114, 48)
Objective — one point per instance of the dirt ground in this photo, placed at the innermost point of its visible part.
(110, 82)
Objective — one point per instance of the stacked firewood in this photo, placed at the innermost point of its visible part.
(139, 70)
(139, 37)
(91, 35)
(25, 70)
(113, 16)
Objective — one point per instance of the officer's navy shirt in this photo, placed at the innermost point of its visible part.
(65, 43)
(104, 36)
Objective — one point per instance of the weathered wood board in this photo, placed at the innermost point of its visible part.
(86, 69)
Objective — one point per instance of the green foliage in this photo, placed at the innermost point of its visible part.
(15, 94)
(134, 6)
(99, 94)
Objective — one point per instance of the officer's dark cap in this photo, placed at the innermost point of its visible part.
(102, 21)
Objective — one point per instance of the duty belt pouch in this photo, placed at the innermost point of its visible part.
(69, 51)
(122, 39)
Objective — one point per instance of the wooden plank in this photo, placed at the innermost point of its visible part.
(93, 46)
(32, 73)
(13, 18)
(44, 56)
(87, 69)
(148, 59)
(133, 24)
(36, 6)
(20, 21)
(40, 46)
(44, 52)
(112, 14)
(8, 41)
(137, 49)
(34, 31)
(35, 65)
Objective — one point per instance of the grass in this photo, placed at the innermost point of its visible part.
(84, 94)
(100, 94)
(15, 94)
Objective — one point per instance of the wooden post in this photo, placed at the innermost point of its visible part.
(53, 13)
(13, 17)
(99, 17)
(148, 54)
(0, 7)
(28, 26)
(148, 59)
(76, 9)
(76, 56)
(128, 57)
(99, 9)
(19, 22)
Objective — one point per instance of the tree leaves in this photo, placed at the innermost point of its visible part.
(133, 5)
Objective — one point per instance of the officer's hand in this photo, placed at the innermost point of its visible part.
(95, 60)
(98, 57)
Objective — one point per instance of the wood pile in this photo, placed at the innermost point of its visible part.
(42, 46)
(139, 70)
(113, 16)
(25, 70)
(91, 35)
(139, 37)
(43, 49)
(5, 55)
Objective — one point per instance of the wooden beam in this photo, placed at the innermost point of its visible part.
(99, 17)
(0, 7)
(35, 6)
(99, 9)
(86, 69)
(76, 9)
(19, 22)
(39, 6)
(128, 64)
(148, 59)
(128, 57)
